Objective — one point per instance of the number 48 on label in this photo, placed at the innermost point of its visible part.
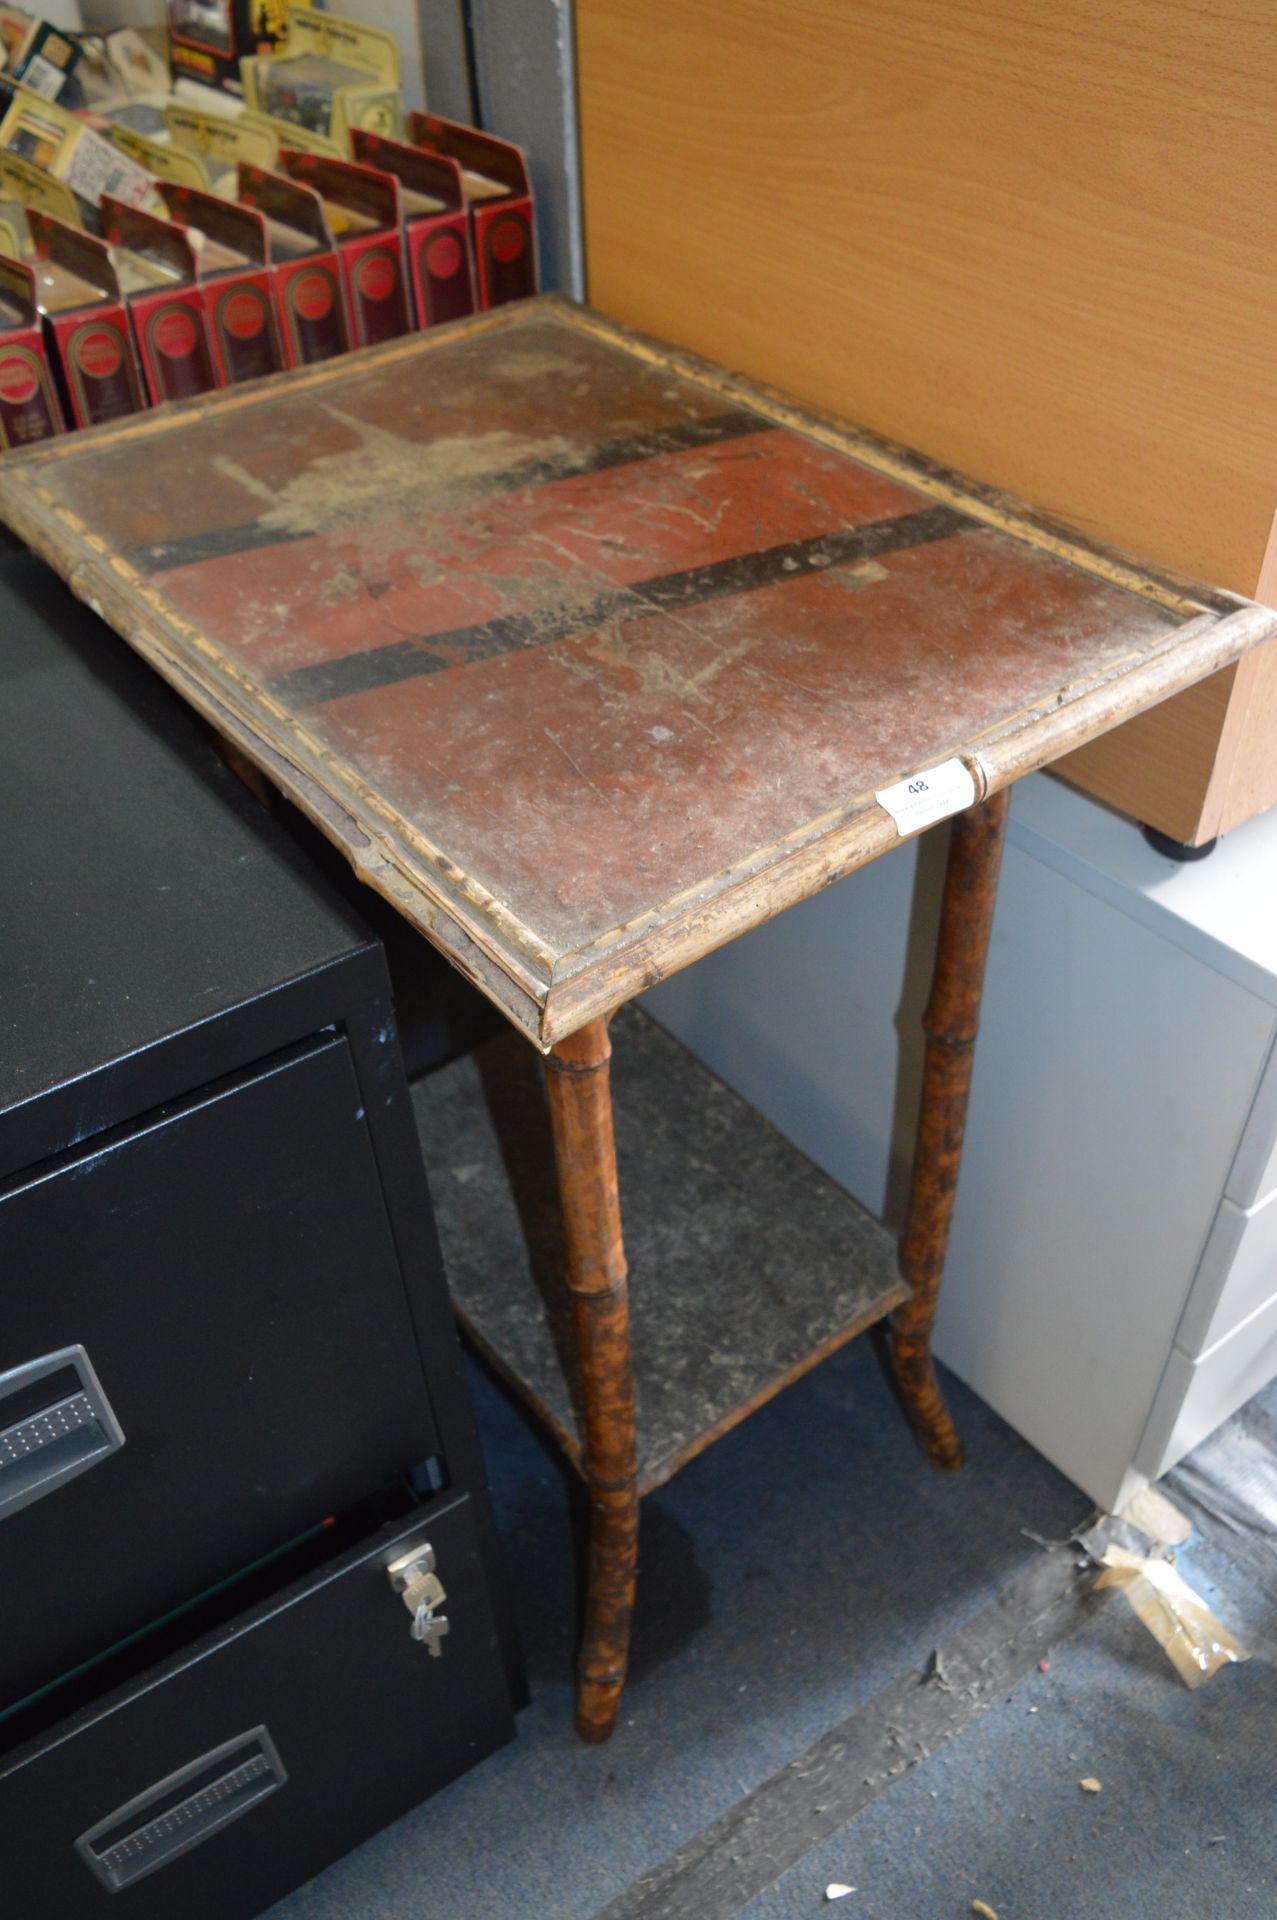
(929, 796)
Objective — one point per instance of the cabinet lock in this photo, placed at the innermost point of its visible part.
(412, 1576)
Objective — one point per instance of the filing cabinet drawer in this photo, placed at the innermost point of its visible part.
(1254, 1172)
(1237, 1275)
(210, 1786)
(205, 1350)
(1196, 1396)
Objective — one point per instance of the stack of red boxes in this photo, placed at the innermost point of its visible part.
(309, 260)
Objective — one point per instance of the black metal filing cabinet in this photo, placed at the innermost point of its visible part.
(236, 1456)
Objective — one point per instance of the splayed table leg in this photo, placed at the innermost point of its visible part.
(950, 1024)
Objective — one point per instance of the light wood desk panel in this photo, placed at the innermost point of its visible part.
(1038, 240)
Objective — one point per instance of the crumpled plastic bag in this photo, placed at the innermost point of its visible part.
(1194, 1641)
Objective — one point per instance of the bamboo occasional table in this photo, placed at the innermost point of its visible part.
(590, 657)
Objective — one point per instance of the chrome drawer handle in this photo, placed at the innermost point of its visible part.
(55, 1423)
(182, 1810)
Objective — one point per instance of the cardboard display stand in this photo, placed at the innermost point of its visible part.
(162, 160)
(305, 275)
(436, 225)
(41, 131)
(29, 407)
(232, 256)
(219, 143)
(498, 194)
(361, 207)
(24, 185)
(332, 75)
(86, 325)
(36, 52)
(155, 266)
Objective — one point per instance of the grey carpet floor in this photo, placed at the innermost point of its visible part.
(787, 1576)
(1183, 1827)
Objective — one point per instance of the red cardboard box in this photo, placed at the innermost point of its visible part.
(494, 179)
(231, 257)
(156, 270)
(29, 407)
(361, 207)
(305, 277)
(85, 322)
(436, 226)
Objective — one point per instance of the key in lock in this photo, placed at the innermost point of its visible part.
(413, 1578)
(423, 1593)
(431, 1628)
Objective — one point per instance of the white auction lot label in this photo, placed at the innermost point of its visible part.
(926, 797)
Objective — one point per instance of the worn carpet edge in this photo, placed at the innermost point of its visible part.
(748, 1848)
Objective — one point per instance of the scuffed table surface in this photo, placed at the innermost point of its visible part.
(589, 656)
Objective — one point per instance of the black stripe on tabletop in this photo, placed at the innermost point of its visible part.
(354, 673)
(219, 542)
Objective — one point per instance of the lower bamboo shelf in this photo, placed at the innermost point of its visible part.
(747, 1264)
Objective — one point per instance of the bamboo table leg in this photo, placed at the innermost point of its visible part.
(585, 1160)
(950, 1023)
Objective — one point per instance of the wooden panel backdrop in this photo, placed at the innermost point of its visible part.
(1038, 241)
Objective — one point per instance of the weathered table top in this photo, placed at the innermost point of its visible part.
(589, 655)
